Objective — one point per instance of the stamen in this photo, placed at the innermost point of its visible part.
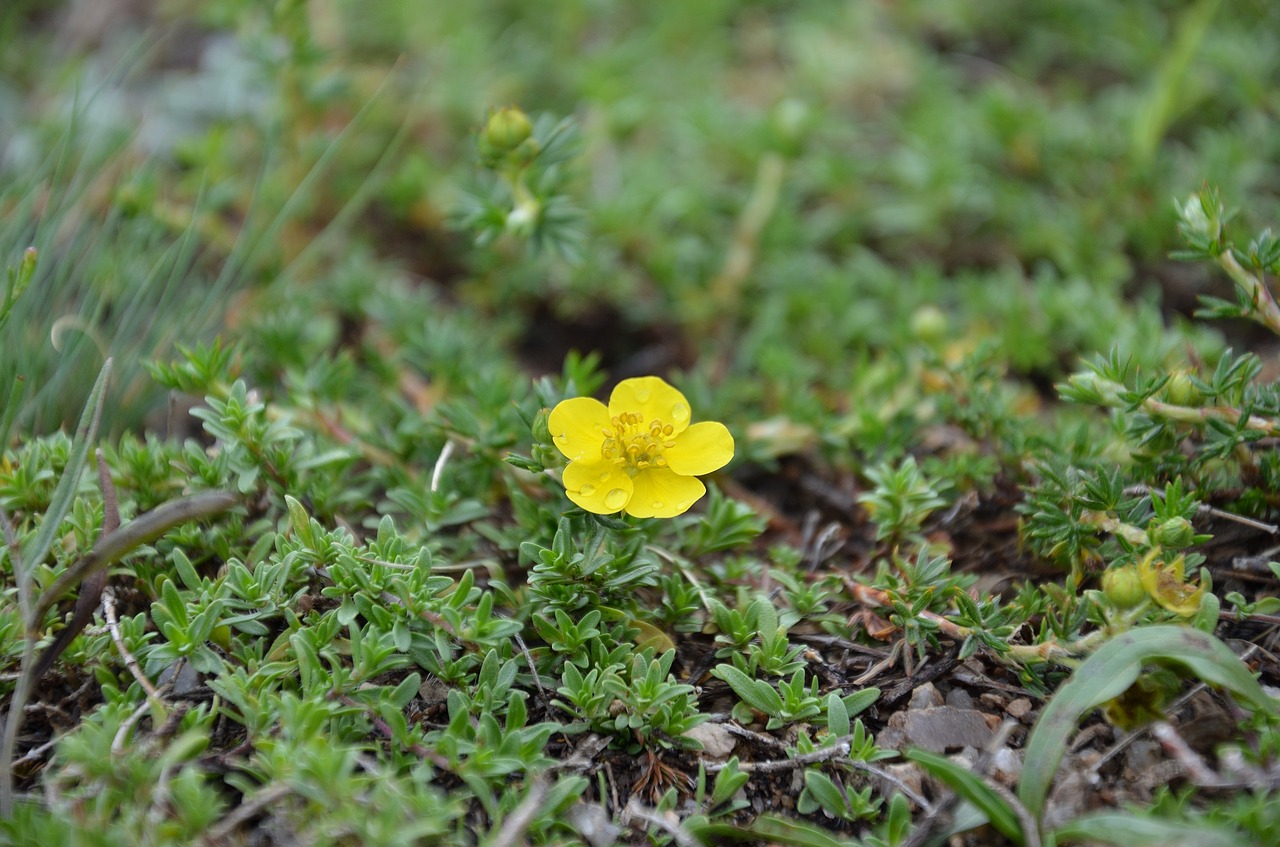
(635, 443)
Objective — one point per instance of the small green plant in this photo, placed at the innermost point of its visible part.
(901, 499)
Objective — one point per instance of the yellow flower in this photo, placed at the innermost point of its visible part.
(1166, 584)
(638, 455)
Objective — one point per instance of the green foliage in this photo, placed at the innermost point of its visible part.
(901, 499)
(344, 258)
(637, 700)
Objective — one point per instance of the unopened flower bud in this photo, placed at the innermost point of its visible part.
(1180, 389)
(1123, 587)
(542, 427)
(1174, 533)
(929, 324)
(506, 130)
(1194, 217)
(791, 121)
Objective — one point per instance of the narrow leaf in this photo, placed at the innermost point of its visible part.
(760, 696)
(971, 787)
(87, 430)
(1108, 673)
(1133, 830)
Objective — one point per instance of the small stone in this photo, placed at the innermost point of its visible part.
(717, 742)
(939, 729)
(186, 682)
(908, 774)
(1006, 767)
(959, 698)
(925, 696)
(1018, 708)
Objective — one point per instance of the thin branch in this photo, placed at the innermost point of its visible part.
(113, 627)
(1189, 760)
(516, 823)
(268, 796)
(838, 751)
(533, 670)
(117, 743)
(651, 818)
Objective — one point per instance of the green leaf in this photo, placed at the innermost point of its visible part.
(760, 696)
(837, 716)
(1108, 673)
(405, 691)
(1130, 829)
(826, 793)
(87, 430)
(971, 787)
(300, 522)
(859, 701)
(770, 829)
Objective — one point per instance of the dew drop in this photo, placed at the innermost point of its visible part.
(658, 504)
(616, 499)
(679, 413)
(587, 490)
(643, 395)
(605, 475)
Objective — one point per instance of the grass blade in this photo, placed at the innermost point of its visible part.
(87, 430)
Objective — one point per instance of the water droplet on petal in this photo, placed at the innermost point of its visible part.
(587, 490)
(679, 413)
(616, 499)
(658, 504)
(603, 476)
(643, 395)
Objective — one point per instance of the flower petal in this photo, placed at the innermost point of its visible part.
(702, 448)
(653, 398)
(598, 486)
(578, 426)
(662, 493)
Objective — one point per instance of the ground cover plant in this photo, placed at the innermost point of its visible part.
(608, 423)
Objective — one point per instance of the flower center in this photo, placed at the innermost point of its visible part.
(635, 444)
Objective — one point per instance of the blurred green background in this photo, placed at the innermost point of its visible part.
(758, 195)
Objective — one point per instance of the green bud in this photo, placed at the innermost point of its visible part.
(1123, 587)
(929, 324)
(506, 130)
(1196, 218)
(1175, 533)
(542, 427)
(1181, 391)
(791, 122)
(28, 265)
